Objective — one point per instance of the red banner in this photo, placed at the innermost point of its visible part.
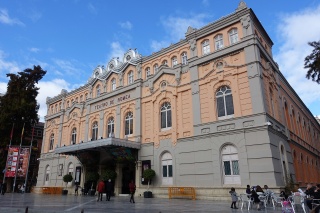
(23, 162)
(12, 161)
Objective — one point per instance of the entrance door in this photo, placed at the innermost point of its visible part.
(128, 174)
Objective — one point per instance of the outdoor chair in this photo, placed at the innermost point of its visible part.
(297, 199)
(276, 200)
(245, 198)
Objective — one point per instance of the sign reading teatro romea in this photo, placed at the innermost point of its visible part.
(112, 101)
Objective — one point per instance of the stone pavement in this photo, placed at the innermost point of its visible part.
(42, 203)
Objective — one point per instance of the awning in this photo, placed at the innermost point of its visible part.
(101, 144)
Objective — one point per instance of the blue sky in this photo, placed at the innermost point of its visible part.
(69, 38)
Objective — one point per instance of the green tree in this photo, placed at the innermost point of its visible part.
(312, 62)
(149, 174)
(19, 106)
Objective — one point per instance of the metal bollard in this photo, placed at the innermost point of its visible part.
(27, 208)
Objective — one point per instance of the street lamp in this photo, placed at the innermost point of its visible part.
(30, 151)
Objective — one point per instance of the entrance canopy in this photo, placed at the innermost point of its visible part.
(101, 144)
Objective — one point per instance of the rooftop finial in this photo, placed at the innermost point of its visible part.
(241, 5)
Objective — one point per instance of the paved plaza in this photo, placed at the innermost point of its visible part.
(41, 203)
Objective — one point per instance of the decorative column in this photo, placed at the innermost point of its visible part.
(118, 183)
(138, 173)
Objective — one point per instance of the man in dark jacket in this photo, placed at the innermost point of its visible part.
(310, 194)
(109, 187)
(3, 188)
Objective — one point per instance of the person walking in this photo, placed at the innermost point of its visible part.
(76, 189)
(100, 189)
(109, 187)
(132, 188)
(4, 188)
(234, 198)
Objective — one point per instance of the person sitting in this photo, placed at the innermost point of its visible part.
(248, 190)
(310, 194)
(255, 198)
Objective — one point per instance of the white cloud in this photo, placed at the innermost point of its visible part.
(49, 89)
(5, 19)
(3, 87)
(116, 51)
(295, 31)
(176, 27)
(34, 49)
(66, 66)
(92, 8)
(126, 25)
(7, 66)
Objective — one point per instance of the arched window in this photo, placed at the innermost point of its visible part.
(86, 96)
(224, 102)
(230, 162)
(184, 58)
(233, 36)
(148, 72)
(130, 77)
(155, 68)
(94, 131)
(68, 103)
(205, 47)
(271, 102)
(129, 123)
(174, 61)
(77, 100)
(60, 106)
(74, 136)
(47, 175)
(166, 119)
(56, 108)
(113, 84)
(218, 41)
(167, 170)
(98, 91)
(51, 142)
(110, 130)
(70, 169)
(81, 98)
(165, 62)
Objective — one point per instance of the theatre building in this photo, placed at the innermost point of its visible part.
(210, 111)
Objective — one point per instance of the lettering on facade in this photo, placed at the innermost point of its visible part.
(111, 102)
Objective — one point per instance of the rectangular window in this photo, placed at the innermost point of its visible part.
(235, 167)
(229, 105)
(60, 171)
(170, 170)
(169, 118)
(163, 120)
(227, 168)
(220, 106)
(127, 128)
(164, 171)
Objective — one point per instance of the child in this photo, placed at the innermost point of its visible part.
(234, 198)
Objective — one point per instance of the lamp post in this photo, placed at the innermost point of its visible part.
(15, 175)
(30, 151)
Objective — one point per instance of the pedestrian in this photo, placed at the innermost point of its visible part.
(22, 188)
(248, 190)
(255, 198)
(4, 188)
(132, 188)
(100, 189)
(234, 198)
(76, 189)
(109, 187)
(310, 194)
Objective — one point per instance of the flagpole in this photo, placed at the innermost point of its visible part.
(5, 169)
(30, 151)
(15, 175)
